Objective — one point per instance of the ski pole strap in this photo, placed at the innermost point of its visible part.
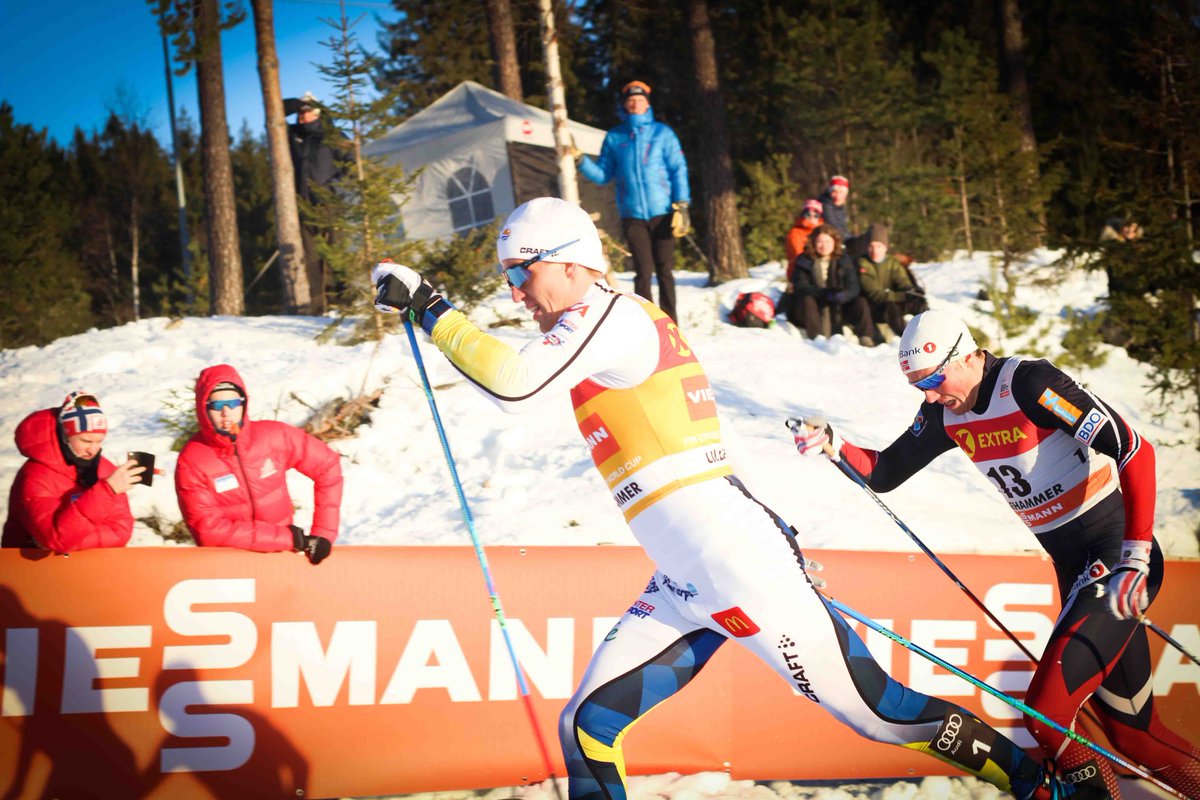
(1012, 701)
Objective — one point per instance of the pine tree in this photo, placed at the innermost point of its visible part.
(251, 164)
(42, 292)
(1154, 281)
(359, 208)
(506, 69)
(768, 202)
(196, 26)
(135, 182)
(174, 288)
(995, 180)
(431, 49)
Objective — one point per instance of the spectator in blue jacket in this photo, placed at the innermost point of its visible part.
(647, 163)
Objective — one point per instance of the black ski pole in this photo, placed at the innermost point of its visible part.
(855, 476)
(1167, 638)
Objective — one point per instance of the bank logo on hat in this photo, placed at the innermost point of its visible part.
(81, 413)
(504, 234)
(930, 336)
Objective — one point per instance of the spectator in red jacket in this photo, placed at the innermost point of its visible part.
(231, 478)
(67, 496)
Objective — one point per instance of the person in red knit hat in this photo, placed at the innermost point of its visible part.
(68, 496)
(231, 478)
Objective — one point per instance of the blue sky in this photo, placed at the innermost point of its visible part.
(66, 63)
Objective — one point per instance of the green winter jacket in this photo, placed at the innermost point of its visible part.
(885, 282)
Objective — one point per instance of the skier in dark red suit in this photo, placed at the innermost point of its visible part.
(232, 475)
(67, 496)
(1082, 480)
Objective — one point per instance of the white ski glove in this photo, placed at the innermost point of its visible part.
(813, 436)
(1126, 588)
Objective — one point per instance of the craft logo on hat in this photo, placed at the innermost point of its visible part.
(931, 337)
(544, 224)
(81, 413)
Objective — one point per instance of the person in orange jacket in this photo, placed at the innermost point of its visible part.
(231, 478)
(68, 496)
(807, 221)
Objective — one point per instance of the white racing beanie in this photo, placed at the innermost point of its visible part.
(562, 230)
(930, 336)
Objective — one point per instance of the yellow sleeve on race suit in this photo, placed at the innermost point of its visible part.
(604, 336)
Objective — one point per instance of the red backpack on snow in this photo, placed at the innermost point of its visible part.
(752, 310)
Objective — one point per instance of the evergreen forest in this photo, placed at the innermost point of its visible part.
(981, 125)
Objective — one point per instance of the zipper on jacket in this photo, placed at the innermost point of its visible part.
(253, 511)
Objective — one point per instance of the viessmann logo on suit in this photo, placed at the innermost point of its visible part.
(701, 402)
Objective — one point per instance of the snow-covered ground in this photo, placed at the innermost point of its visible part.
(530, 481)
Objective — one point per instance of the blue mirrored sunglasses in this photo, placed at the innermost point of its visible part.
(220, 405)
(517, 274)
(938, 376)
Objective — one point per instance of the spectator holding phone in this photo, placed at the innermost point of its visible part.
(67, 496)
(231, 478)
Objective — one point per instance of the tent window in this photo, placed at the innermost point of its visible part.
(470, 199)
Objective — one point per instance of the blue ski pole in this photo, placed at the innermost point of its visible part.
(479, 554)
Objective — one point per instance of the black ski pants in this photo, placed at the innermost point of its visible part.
(653, 247)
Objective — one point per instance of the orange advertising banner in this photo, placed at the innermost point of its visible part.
(199, 672)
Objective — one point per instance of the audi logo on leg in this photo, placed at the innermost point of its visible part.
(950, 733)
(1080, 775)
